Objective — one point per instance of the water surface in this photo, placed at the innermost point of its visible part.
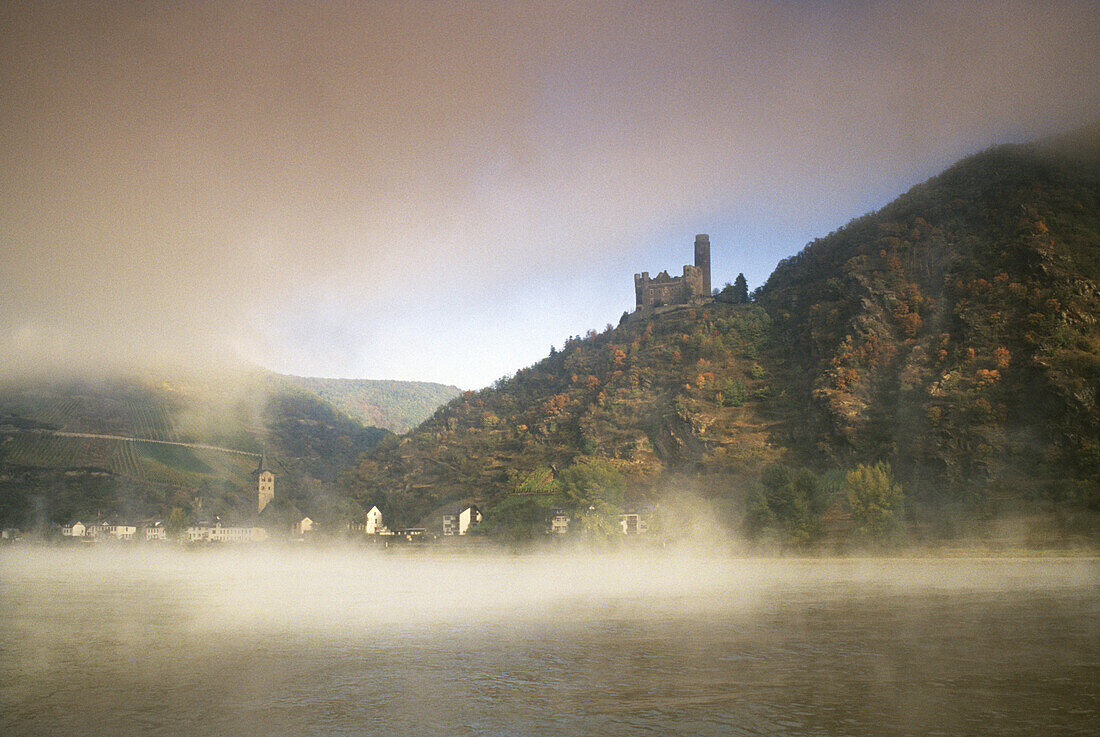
(265, 642)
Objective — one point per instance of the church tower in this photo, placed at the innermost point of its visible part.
(265, 483)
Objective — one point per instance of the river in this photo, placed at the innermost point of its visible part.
(143, 641)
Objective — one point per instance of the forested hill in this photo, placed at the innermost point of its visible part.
(952, 335)
(394, 405)
(955, 331)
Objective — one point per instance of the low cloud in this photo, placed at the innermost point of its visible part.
(207, 179)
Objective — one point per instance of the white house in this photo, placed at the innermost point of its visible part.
(219, 533)
(633, 523)
(156, 531)
(459, 520)
(236, 534)
(76, 529)
(374, 522)
(303, 526)
(121, 531)
(467, 518)
(559, 521)
(198, 533)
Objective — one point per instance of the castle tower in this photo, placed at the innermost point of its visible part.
(265, 483)
(702, 260)
(640, 281)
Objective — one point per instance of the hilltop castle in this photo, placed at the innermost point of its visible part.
(693, 286)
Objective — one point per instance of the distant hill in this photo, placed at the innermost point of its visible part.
(953, 334)
(394, 405)
(49, 477)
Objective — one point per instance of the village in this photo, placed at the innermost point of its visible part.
(456, 524)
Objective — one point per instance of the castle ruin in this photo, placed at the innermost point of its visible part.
(693, 286)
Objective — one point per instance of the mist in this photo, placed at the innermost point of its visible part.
(364, 190)
(333, 590)
(289, 641)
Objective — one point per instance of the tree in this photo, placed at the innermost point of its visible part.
(741, 289)
(790, 502)
(515, 521)
(734, 393)
(875, 501)
(336, 511)
(594, 488)
(176, 524)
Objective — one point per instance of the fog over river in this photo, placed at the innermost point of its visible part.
(332, 642)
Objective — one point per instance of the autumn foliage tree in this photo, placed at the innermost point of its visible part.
(874, 501)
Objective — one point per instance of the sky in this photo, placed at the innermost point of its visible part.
(442, 191)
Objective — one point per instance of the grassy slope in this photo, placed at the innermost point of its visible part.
(397, 406)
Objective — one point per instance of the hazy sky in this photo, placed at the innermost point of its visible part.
(441, 191)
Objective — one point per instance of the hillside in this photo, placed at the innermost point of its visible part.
(954, 332)
(397, 406)
(49, 477)
(687, 392)
(951, 335)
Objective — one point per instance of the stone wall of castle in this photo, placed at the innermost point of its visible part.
(661, 290)
(693, 286)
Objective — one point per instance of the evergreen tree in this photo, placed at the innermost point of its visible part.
(740, 289)
(790, 503)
